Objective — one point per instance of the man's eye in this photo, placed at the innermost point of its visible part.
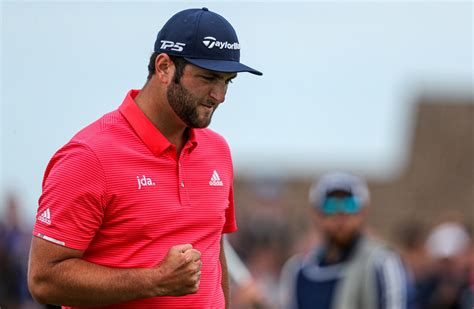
(230, 81)
(208, 78)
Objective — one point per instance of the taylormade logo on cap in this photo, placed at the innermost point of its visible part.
(212, 42)
(204, 39)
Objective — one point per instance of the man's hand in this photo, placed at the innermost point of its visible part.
(179, 273)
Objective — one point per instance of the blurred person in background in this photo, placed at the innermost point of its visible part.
(14, 246)
(263, 241)
(134, 207)
(245, 291)
(411, 239)
(447, 284)
(349, 269)
(471, 275)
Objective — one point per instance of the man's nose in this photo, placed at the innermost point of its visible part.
(218, 92)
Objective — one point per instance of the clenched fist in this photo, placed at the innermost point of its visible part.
(179, 273)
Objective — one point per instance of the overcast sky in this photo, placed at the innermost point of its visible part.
(338, 91)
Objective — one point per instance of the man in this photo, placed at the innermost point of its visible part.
(349, 269)
(447, 283)
(134, 207)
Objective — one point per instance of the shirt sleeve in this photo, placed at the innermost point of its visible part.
(392, 282)
(230, 225)
(73, 199)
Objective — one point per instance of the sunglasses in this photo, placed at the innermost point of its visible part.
(345, 205)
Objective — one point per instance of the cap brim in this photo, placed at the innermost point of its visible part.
(222, 66)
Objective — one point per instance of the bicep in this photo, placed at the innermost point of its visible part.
(72, 204)
(45, 254)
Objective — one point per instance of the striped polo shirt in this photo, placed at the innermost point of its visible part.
(118, 192)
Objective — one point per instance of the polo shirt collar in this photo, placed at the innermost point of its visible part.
(144, 128)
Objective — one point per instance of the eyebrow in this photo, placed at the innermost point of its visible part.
(218, 76)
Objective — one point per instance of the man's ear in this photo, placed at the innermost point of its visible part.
(164, 68)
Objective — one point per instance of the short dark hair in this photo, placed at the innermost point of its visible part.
(178, 62)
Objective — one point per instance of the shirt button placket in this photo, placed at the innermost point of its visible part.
(180, 175)
(181, 185)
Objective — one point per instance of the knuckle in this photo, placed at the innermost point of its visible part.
(173, 249)
(193, 280)
(194, 289)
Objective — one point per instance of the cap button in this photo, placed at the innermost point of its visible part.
(205, 9)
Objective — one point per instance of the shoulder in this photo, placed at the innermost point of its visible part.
(375, 248)
(384, 259)
(86, 144)
(378, 255)
(72, 159)
(100, 131)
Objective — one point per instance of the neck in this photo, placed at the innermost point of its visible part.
(152, 100)
(333, 253)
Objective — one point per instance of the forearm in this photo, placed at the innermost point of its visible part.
(75, 282)
(59, 275)
(225, 286)
(225, 277)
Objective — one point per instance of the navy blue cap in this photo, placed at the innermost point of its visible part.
(204, 39)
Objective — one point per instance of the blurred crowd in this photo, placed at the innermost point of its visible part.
(439, 258)
(14, 246)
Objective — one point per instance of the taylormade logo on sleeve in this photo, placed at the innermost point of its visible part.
(212, 42)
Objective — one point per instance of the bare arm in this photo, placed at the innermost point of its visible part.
(58, 275)
(225, 275)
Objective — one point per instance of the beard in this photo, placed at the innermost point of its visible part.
(188, 107)
(343, 240)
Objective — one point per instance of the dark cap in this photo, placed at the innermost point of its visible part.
(204, 39)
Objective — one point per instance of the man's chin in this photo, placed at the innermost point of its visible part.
(204, 122)
(342, 240)
(200, 124)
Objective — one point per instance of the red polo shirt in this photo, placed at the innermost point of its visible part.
(118, 192)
